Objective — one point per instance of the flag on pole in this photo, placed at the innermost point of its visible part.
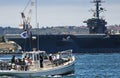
(24, 34)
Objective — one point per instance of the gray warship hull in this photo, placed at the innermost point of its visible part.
(86, 43)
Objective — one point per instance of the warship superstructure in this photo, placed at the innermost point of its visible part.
(97, 24)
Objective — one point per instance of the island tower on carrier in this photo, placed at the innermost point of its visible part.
(97, 24)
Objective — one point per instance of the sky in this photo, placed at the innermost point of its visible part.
(57, 12)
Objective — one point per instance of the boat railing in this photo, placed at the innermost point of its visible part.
(66, 54)
(62, 57)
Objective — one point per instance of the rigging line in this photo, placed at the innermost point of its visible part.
(26, 5)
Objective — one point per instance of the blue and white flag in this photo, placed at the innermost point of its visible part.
(24, 34)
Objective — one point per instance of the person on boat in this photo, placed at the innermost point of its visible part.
(41, 61)
(23, 64)
(57, 59)
(13, 59)
(29, 61)
(18, 64)
(57, 56)
(26, 64)
(25, 57)
(50, 58)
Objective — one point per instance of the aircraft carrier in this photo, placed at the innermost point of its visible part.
(99, 39)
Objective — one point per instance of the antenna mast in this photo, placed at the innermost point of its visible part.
(98, 8)
(96, 24)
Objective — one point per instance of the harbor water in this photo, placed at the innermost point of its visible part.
(98, 65)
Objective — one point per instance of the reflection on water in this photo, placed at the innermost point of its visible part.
(92, 66)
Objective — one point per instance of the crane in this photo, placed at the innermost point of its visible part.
(26, 26)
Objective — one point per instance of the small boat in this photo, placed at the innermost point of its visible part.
(37, 63)
(49, 66)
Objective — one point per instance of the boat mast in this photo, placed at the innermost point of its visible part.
(37, 24)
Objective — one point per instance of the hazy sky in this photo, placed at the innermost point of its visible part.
(57, 12)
